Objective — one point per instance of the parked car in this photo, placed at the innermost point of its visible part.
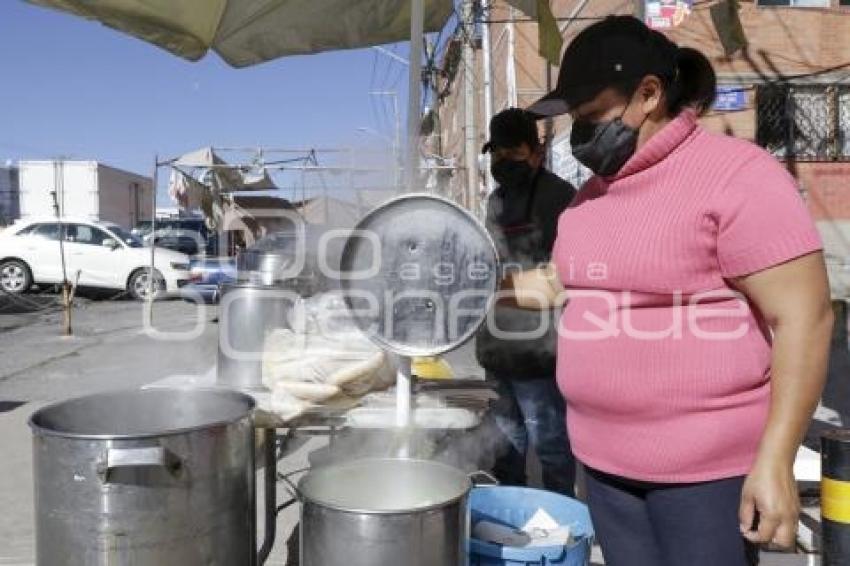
(183, 241)
(142, 229)
(207, 274)
(105, 255)
(185, 235)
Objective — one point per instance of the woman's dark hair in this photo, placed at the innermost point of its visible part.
(695, 84)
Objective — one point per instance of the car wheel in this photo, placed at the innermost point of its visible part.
(15, 276)
(139, 284)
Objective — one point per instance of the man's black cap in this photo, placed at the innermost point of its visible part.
(511, 128)
(616, 50)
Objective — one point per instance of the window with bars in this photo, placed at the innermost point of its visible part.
(804, 122)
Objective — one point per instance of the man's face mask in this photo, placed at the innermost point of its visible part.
(603, 147)
(511, 174)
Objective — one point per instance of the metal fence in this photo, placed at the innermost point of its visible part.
(804, 122)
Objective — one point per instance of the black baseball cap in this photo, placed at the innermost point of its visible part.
(613, 51)
(511, 128)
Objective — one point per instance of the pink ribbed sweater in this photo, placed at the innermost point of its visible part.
(667, 375)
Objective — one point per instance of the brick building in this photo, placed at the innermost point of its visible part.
(789, 91)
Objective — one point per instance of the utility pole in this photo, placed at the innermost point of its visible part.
(487, 49)
(470, 139)
(510, 67)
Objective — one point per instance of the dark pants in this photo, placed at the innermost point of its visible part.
(646, 524)
(530, 413)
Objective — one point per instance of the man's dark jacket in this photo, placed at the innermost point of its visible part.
(523, 225)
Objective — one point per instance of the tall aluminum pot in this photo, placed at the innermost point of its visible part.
(288, 259)
(145, 478)
(248, 312)
(374, 512)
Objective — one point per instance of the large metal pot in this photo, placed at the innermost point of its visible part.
(287, 259)
(376, 512)
(247, 314)
(145, 478)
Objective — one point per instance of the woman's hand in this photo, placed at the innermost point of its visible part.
(534, 289)
(770, 494)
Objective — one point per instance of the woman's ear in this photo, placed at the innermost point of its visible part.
(651, 94)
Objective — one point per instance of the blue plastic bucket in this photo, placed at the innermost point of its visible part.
(513, 507)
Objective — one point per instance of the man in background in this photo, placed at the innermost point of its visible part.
(522, 217)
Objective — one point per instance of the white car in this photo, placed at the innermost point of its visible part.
(105, 255)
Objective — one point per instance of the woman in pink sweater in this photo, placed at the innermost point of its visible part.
(694, 341)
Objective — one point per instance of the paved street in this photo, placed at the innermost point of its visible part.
(110, 349)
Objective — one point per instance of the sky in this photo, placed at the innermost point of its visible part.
(74, 88)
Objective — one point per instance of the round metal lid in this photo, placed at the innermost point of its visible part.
(418, 274)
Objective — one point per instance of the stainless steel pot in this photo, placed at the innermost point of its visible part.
(145, 478)
(286, 259)
(247, 314)
(382, 512)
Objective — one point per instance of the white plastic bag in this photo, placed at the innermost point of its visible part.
(321, 357)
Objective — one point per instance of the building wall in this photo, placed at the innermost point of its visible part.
(781, 40)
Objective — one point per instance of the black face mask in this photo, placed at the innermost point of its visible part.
(516, 185)
(512, 175)
(603, 147)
